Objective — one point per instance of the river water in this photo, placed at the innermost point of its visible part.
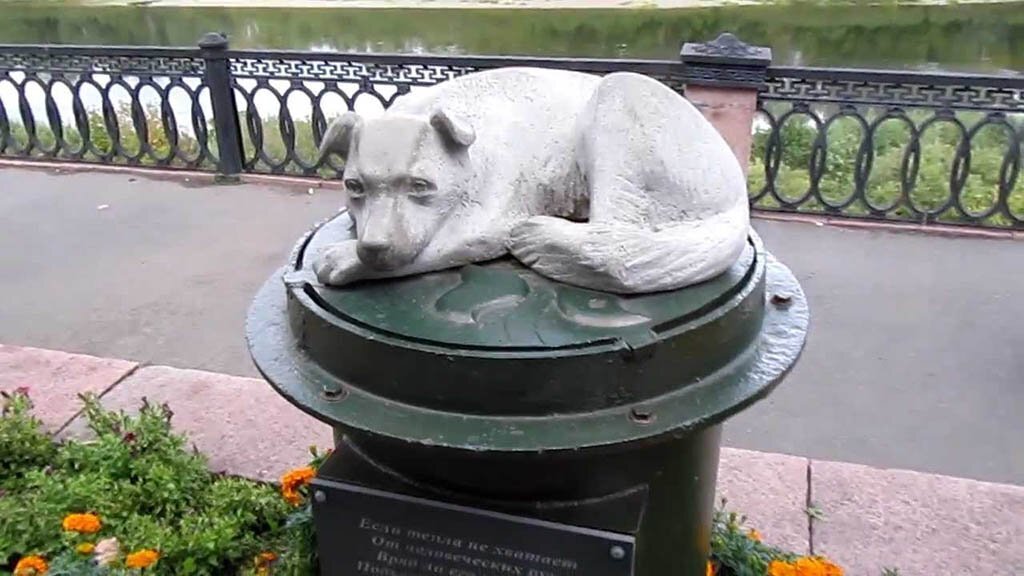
(986, 37)
(980, 38)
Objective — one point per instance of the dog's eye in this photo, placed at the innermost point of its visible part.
(354, 187)
(421, 186)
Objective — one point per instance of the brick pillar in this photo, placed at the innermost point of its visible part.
(723, 78)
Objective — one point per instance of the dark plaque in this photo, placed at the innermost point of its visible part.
(373, 533)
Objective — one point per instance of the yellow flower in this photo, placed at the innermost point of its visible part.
(82, 523)
(85, 548)
(141, 559)
(778, 568)
(754, 535)
(293, 481)
(31, 566)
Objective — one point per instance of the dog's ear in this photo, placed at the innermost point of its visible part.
(340, 134)
(455, 130)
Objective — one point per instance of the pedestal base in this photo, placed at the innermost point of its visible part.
(660, 525)
(493, 388)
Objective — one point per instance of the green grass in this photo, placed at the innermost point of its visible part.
(844, 138)
(931, 190)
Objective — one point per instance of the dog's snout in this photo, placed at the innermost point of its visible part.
(374, 253)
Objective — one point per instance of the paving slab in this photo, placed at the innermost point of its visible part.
(241, 425)
(771, 491)
(874, 518)
(913, 360)
(246, 429)
(55, 379)
(922, 524)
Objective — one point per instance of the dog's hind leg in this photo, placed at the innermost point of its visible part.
(668, 200)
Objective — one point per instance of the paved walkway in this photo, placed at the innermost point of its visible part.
(914, 359)
(872, 518)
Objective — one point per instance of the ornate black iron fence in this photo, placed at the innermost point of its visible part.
(871, 144)
(891, 145)
(286, 98)
(106, 105)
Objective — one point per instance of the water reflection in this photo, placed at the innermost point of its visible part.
(979, 36)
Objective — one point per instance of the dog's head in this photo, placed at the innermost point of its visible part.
(404, 176)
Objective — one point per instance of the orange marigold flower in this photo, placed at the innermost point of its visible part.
(265, 558)
(711, 569)
(141, 559)
(31, 566)
(778, 568)
(293, 481)
(814, 566)
(85, 548)
(263, 561)
(830, 569)
(82, 523)
(754, 535)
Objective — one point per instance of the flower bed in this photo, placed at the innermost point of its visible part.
(135, 500)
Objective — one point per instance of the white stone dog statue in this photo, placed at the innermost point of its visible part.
(614, 183)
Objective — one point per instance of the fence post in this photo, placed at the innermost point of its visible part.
(217, 77)
(722, 80)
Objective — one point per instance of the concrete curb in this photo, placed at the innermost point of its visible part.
(922, 524)
(304, 184)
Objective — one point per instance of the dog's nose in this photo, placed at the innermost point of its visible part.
(374, 254)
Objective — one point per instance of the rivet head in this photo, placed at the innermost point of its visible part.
(618, 552)
(333, 392)
(641, 416)
(320, 496)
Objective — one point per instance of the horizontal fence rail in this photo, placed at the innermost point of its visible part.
(897, 146)
(287, 98)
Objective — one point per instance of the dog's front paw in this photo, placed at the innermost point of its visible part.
(538, 238)
(339, 264)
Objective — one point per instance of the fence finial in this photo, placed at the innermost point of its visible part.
(725, 61)
(214, 41)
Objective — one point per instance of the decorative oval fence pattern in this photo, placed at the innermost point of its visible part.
(891, 145)
(896, 146)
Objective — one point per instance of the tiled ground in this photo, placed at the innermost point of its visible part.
(925, 525)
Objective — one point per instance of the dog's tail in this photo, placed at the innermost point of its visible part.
(621, 258)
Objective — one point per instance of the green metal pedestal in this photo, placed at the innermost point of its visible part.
(492, 387)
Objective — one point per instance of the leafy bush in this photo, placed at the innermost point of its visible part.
(134, 496)
(23, 445)
(146, 489)
(738, 551)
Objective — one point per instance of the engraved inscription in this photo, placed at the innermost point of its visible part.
(366, 532)
(404, 551)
